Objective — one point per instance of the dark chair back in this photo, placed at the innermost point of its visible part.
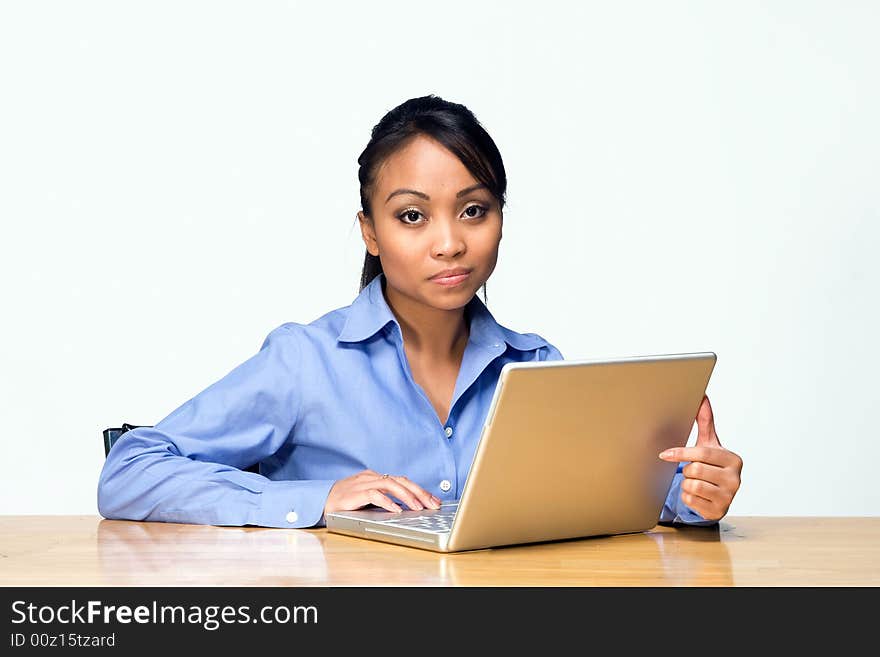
(112, 434)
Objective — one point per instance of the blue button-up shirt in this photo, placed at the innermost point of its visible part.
(318, 402)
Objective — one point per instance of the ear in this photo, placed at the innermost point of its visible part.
(368, 234)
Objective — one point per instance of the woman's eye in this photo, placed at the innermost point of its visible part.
(406, 215)
(476, 207)
(411, 214)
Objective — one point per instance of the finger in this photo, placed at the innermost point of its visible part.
(702, 489)
(421, 494)
(401, 492)
(710, 455)
(705, 508)
(706, 435)
(374, 496)
(706, 472)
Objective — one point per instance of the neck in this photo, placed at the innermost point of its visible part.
(434, 333)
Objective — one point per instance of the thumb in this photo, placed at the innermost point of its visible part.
(706, 435)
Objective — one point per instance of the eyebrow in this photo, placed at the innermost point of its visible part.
(466, 190)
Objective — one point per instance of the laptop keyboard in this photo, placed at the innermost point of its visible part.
(437, 521)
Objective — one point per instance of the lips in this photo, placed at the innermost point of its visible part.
(450, 273)
(451, 281)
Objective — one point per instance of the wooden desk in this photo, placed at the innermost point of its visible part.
(743, 551)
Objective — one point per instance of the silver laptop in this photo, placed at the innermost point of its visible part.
(568, 450)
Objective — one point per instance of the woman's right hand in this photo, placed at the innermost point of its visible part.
(369, 487)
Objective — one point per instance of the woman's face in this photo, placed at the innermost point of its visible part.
(418, 235)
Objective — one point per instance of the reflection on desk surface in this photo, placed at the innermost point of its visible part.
(316, 557)
(87, 550)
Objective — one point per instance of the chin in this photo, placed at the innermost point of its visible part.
(451, 298)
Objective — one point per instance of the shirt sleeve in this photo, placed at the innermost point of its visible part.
(675, 511)
(187, 468)
(549, 352)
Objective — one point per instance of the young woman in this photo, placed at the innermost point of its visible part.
(380, 402)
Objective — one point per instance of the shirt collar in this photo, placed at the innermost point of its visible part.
(370, 312)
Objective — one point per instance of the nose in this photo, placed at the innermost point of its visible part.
(448, 240)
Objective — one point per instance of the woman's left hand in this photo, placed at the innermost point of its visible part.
(712, 477)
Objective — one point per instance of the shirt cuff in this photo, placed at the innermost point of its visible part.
(687, 516)
(291, 504)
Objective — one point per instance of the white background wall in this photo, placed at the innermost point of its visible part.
(178, 178)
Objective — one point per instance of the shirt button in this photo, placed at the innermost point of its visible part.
(448, 432)
(445, 485)
(292, 517)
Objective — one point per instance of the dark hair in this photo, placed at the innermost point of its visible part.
(451, 124)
